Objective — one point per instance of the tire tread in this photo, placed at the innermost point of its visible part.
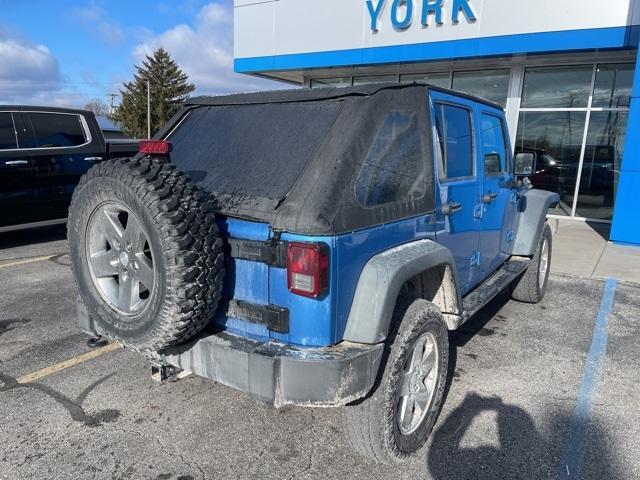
(192, 248)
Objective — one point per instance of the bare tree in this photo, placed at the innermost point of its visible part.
(97, 106)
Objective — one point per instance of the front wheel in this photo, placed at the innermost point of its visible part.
(395, 420)
(532, 285)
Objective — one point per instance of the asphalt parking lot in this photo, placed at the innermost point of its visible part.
(538, 391)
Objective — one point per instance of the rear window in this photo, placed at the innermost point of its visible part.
(57, 130)
(394, 170)
(7, 132)
(258, 150)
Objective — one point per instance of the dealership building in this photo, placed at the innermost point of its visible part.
(565, 71)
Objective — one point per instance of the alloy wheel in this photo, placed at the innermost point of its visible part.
(417, 384)
(119, 258)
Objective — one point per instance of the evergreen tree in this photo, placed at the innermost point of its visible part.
(169, 86)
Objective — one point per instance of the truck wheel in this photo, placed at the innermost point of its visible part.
(395, 420)
(532, 285)
(145, 252)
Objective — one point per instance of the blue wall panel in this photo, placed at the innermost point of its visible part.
(626, 220)
(541, 42)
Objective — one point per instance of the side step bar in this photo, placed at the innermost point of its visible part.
(484, 293)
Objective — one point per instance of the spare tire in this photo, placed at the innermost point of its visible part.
(146, 253)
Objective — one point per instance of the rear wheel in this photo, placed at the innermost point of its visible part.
(146, 253)
(532, 285)
(395, 420)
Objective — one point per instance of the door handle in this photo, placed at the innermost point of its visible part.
(92, 159)
(489, 197)
(15, 163)
(451, 208)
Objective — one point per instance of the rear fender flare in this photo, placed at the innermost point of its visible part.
(380, 282)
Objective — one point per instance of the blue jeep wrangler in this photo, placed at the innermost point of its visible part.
(313, 247)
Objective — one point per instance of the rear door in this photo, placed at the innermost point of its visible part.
(457, 201)
(246, 278)
(498, 199)
(64, 153)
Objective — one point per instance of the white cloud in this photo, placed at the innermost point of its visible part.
(28, 71)
(97, 22)
(205, 52)
(215, 14)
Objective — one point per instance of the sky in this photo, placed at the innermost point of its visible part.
(67, 52)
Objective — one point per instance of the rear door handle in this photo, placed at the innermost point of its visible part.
(489, 197)
(451, 208)
(15, 163)
(92, 159)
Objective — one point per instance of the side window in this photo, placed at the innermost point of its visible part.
(493, 145)
(7, 132)
(394, 169)
(455, 137)
(57, 130)
(24, 131)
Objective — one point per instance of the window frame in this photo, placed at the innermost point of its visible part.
(588, 110)
(83, 124)
(443, 179)
(480, 72)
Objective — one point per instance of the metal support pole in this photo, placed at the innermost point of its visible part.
(148, 109)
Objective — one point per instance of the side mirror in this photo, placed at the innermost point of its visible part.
(524, 164)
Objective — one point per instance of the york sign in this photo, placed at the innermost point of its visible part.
(402, 12)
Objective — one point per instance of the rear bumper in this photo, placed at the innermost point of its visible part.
(280, 374)
(273, 372)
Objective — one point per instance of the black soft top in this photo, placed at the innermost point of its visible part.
(311, 94)
(311, 161)
(292, 95)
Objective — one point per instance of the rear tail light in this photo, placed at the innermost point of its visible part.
(307, 269)
(154, 147)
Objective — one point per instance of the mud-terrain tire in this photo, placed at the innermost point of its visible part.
(373, 426)
(532, 285)
(146, 253)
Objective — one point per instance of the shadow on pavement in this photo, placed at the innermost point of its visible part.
(602, 229)
(477, 325)
(522, 451)
(33, 236)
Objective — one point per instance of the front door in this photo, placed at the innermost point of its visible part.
(457, 203)
(498, 199)
(16, 176)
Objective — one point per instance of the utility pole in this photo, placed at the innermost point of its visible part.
(112, 96)
(148, 109)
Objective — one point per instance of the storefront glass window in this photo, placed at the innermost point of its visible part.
(436, 79)
(601, 165)
(557, 87)
(556, 140)
(375, 79)
(613, 86)
(331, 82)
(492, 85)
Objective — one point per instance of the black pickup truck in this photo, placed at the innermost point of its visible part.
(43, 153)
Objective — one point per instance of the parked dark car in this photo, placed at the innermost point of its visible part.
(558, 173)
(43, 153)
